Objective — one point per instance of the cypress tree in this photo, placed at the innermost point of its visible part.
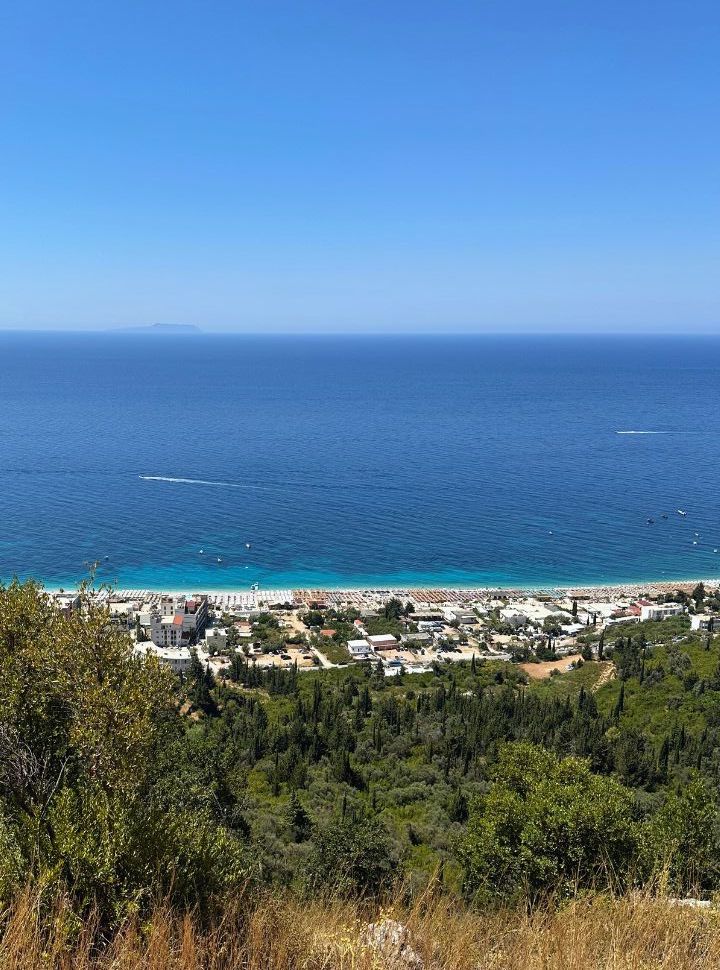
(620, 705)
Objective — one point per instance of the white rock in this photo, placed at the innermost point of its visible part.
(391, 941)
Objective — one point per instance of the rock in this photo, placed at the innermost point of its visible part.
(391, 941)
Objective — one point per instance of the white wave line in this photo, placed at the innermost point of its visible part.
(643, 432)
(195, 481)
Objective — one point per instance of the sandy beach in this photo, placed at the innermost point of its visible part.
(422, 596)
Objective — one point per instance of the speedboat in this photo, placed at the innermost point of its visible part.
(680, 512)
(247, 545)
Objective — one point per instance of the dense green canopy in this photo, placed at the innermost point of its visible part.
(117, 781)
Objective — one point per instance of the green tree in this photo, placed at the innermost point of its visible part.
(546, 824)
(681, 841)
(201, 684)
(84, 728)
(620, 703)
(393, 609)
(353, 857)
(552, 623)
(299, 821)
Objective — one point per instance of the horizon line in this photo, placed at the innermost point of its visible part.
(194, 331)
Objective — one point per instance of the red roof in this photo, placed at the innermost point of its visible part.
(328, 633)
(177, 620)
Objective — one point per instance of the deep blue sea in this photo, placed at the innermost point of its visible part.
(358, 461)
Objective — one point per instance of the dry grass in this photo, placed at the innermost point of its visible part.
(633, 933)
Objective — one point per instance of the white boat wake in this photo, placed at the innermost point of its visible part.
(195, 481)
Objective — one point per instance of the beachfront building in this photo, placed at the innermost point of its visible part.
(704, 621)
(67, 602)
(194, 613)
(536, 610)
(178, 659)
(417, 639)
(513, 617)
(623, 616)
(166, 631)
(464, 617)
(127, 613)
(359, 649)
(166, 606)
(659, 611)
(601, 610)
(178, 620)
(383, 641)
(216, 639)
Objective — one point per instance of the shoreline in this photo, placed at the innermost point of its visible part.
(630, 588)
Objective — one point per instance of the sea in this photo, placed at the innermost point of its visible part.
(209, 462)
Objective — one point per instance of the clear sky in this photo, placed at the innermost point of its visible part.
(282, 165)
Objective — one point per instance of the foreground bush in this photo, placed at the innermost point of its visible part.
(86, 730)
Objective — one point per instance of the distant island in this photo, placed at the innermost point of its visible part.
(160, 328)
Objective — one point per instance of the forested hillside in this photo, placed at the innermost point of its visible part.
(118, 782)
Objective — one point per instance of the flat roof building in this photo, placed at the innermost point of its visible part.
(660, 611)
(178, 659)
(382, 641)
(704, 621)
(359, 649)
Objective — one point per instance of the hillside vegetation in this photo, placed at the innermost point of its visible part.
(305, 802)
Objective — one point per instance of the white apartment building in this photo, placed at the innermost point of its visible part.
(177, 619)
(359, 649)
(178, 659)
(194, 613)
(166, 631)
(513, 617)
(67, 602)
(704, 621)
(382, 641)
(216, 638)
(660, 611)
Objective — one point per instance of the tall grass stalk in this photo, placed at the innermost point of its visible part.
(266, 932)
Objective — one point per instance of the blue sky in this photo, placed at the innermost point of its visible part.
(380, 166)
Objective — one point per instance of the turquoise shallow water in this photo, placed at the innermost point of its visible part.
(358, 461)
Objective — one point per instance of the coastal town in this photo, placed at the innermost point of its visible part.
(403, 630)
